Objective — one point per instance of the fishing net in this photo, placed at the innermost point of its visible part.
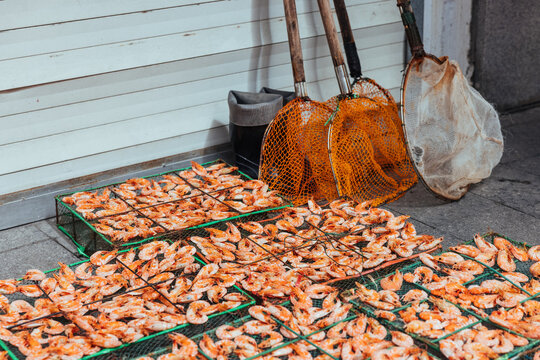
(367, 148)
(294, 156)
(454, 134)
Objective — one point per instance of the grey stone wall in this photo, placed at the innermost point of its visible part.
(505, 51)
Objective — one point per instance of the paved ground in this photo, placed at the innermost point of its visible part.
(508, 202)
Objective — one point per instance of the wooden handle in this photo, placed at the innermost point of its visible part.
(295, 46)
(411, 29)
(353, 60)
(344, 23)
(331, 32)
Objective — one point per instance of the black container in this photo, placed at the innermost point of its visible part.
(249, 116)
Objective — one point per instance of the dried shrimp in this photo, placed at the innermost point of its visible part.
(106, 302)
(172, 202)
(480, 342)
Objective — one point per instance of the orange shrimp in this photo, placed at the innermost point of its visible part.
(8, 287)
(183, 347)
(29, 290)
(505, 261)
(195, 313)
(34, 274)
(392, 282)
(534, 253)
(100, 258)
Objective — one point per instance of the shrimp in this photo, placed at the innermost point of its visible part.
(428, 260)
(274, 338)
(429, 243)
(338, 331)
(259, 312)
(246, 345)
(252, 227)
(508, 299)
(225, 348)
(468, 250)
(516, 340)
(483, 245)
(279, 312)
(390, 297)
(357, 326)
(397, 223)
(198, 169)
(100, 258)
(318, 291)
(534, 253)
(254, 327)
(285, 225)
(314, 207)
(183, 347)
(501, 243)
(535, 269)
(29, 290)
(208, 346)
(487, 258)
(216, 292)
(421, 274)
(485, 301)
(515, 276)
(469, 266)
(206, 271)
(104, 340)
(449, 258)
(376, 329)
(84, 271)
(106, 270)
(8, 287)
(195, 313)
(401, 339)
(151, 250)
(300, 299)
(34, 274)
(505, 261)
(228, 332)
(392, 282)
(481, 349)
(414, 295)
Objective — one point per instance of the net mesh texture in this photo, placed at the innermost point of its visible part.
(351, 146)
(454, 135)
(294, 156)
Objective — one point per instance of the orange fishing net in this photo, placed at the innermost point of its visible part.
(351, 145)
(294, 155)
(368, 153)
(363, 156)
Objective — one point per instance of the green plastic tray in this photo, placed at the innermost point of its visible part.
(88, 240)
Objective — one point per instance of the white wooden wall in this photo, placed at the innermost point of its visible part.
(91, 85)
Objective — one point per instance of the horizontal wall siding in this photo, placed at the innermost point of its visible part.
(91, 87)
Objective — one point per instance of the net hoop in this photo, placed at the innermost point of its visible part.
(413, 61)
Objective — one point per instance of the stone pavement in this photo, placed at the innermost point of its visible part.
(508, 202)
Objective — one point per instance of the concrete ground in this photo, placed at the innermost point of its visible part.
(508, 202)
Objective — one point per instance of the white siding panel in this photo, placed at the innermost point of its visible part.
(115, 56)
(25, 13)
(32, 178)
(90, 86)
(370, 41)
(111, 135)
(104, 110)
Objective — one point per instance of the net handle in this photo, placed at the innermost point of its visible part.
(295, 46)
(353, 60)
(411, 29)
(333, 44)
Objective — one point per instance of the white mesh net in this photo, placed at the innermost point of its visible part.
(454, 134)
